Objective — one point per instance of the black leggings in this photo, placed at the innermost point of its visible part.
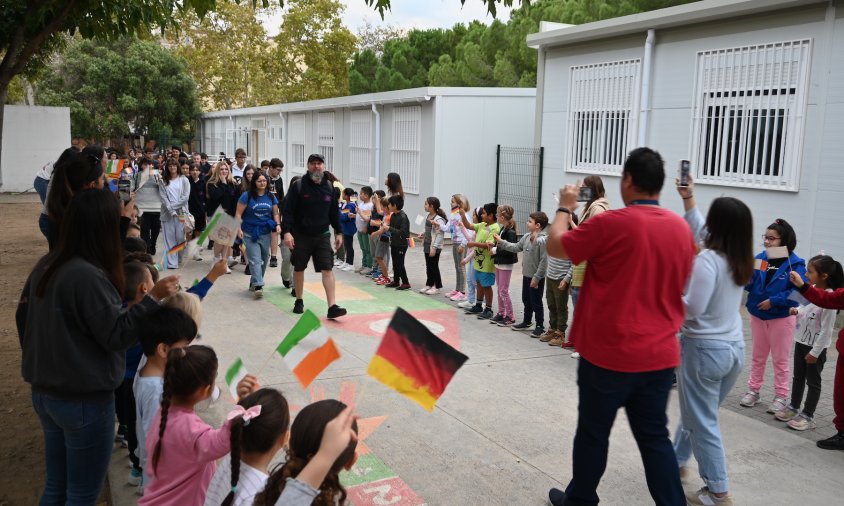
(432, 269)
(399, 273)
(150, 228)
(806, 375)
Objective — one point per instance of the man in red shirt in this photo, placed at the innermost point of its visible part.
(640, 258)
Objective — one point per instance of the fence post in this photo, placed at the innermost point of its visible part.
(497, 170)
(539, 183)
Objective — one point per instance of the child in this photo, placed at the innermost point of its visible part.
(382, 253)
(468, 257)
(458, 246)
(165, 329)
(830, 300)
(557, 293)
(376, 219)
(432, 245)
(134, 230)
(315, 441)
(534, 265)
(399, 228)
(504, 261)
(183, 447)
(257, 434)
(348, 218)
(771, 325)
(364, 212)
(811, 339)
(483, 264)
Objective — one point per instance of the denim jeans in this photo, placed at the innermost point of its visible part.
(40, 184)
(78, 440)
(258, 252)
(644, 397)
(708, 372)
(471, 284)
(575, 293)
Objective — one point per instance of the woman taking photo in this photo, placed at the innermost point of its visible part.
(711, 338)
(148, 200)
(221, 193)
(74, 331)
(175, 193)
(258, 208)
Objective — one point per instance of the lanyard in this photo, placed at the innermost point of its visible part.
(643, 202)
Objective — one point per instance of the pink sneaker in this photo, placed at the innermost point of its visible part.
(451, 294)
(458, 296)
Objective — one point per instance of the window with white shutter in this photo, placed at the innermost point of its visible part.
(407, 137)
(297, 143)
(360, 147)
(325, 138)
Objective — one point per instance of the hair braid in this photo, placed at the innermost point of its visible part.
(236, 437)
(165, 407)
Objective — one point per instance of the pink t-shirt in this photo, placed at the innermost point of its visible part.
(189, 451)
(630, 306)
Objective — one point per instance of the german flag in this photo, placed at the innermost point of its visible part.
(413, 361)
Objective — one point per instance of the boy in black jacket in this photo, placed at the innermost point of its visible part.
(400, 232)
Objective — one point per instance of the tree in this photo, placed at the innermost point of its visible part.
(126, 86)
(371, 37)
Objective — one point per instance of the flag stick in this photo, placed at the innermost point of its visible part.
(264, 365)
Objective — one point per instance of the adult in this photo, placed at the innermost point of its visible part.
(204, 166)
(382, 248)
(47, 172)
(258, 208)
(239, 164)
(711, 338)
(593, 207)
(84, 170)
(74, 330)
(276, 187)
(221, 193)
(640, 259)
(175, 152)
(148, 200)
(175, 194)
(196, 203)
(310, 211)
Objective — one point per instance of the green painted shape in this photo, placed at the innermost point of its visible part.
(367, 469)
(384, 300)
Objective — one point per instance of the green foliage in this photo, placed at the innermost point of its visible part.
(121, 87)
(476, 54)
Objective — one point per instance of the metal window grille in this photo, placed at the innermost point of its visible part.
(603, 115)
(747, 126)
(360, 147)
(407, 135)
(297, 142)
(325, 137)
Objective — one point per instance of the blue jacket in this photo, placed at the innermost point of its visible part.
(777, 290)
(347, 225)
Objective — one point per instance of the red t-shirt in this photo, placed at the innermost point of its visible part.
(630, 306)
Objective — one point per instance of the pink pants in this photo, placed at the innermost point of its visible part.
(502, 281)
(772, 337)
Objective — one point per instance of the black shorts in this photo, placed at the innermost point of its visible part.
(317, 247)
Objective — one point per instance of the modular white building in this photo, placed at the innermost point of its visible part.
(441, 141)
(751, 91)
(32, 137)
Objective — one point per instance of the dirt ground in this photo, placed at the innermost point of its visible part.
(21, 442)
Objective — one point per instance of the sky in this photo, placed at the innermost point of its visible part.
(409, 14)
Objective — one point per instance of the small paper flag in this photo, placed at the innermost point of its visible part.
(798, 298)
(419, 220)
(761, 265)
(177, 248)
(308, 349)
(410, 242)
(413, 361)
(113, 168)
(777, 252)
(235, 373)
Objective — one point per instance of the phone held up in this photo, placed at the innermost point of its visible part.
(684, 168)
(585, 194)
(124, 188)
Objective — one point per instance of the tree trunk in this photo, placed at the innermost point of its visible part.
(4, 92)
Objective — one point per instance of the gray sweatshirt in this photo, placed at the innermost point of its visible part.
(535, 258)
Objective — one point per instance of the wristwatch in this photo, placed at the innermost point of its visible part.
(564, 210)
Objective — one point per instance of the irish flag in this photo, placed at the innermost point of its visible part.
(113, 168)
(413, 361)
(308, 349)
(234, 374)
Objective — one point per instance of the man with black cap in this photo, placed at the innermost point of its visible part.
(310, 210)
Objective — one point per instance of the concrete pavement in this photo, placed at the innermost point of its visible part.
(502, 432)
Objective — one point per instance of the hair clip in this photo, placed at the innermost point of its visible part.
(234, 489)
(246, 414)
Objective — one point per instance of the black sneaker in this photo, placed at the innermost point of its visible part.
(836, 442)
(556, 497)
(273, 262)
(247, 271)
(497, 318)
(299, 306)
(476, 309)
(538, 331)
(285, 282)
(486, 315)
(292, 292)
(521, 326)
(336, 311)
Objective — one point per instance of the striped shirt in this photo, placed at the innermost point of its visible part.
(250, 484)
(557, 268)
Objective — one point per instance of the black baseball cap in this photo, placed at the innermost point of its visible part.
(316, 157)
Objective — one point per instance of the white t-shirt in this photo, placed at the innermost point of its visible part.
(250, 483)
(148, 391)
(361, 223)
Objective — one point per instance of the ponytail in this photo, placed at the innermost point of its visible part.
(825, 264)
(236, 436)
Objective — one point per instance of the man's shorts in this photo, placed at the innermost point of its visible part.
(317, 247)
(486, 279)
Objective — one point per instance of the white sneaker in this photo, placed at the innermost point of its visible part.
(425, 289)
(778, 405)
(366, 270)
(338, 262)
(466, 303)
(197, 256)
(750, 399)
(433, 291)
(575, 355)
(347, 268)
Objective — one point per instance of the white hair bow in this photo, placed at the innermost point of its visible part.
(246, 414)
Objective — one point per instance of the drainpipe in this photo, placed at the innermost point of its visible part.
(286, 159)
(377, 146)
(645, 98)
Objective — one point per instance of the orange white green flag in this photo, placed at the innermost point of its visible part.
(113, 168)
(308, 349)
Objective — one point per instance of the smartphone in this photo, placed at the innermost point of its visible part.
(124, 189)
(585, 194)
(685, 166)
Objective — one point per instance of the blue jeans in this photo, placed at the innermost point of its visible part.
(471, 284)
(644, 397)
(78, 439)
(258, 252)
(575, 293)
(40, 184)
(709, 369)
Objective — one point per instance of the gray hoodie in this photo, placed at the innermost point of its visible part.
(535, 258)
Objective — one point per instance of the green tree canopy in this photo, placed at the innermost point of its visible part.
(120, 87)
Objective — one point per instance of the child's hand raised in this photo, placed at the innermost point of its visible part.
(497, 237)
(247, 385)
(337, 434)
(217, 270)
(796, 280)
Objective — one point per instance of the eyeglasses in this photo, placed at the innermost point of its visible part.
(771, 238)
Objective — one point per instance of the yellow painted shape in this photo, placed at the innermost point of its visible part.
(342, 291)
